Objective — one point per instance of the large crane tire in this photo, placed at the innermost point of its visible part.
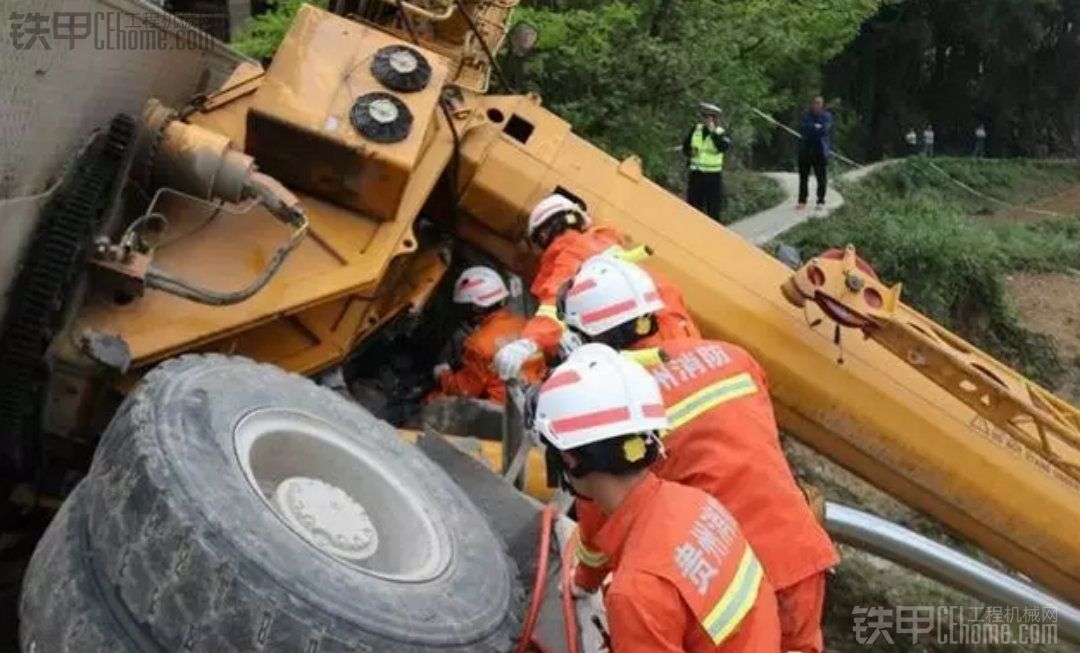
(63, 607)
(236, 507)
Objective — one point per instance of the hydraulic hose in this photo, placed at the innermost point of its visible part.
(161, 280)
(283, 205)
(547, 519)
(569, 613)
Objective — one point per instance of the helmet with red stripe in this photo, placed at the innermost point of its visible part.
(595, 396)
(608, 292)
(552, 213)
(480, 286)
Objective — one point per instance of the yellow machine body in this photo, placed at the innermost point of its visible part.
(874, 413)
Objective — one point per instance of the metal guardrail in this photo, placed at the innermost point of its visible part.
(937, 561)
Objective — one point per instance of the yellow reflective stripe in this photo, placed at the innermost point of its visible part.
(737, 600)
(548, 311)
(588, 557)
(635, 255)
(644, 357)
(711, 396)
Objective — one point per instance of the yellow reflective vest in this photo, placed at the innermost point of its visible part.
(705, 157)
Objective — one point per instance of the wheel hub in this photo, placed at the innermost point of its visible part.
(327, 517)
(342, 494)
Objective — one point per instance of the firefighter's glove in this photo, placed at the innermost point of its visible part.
(511, 358)
(440, 370)
(579, 592)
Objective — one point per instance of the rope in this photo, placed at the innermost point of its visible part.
(833, 153)
(977, 193)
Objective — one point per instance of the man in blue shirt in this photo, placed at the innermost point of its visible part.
(815, 127)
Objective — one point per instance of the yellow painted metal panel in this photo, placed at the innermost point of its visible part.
(344, 253)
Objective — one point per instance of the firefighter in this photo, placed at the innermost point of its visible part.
(482, 291)
(723, 440)
(685, 577)
(567, 238)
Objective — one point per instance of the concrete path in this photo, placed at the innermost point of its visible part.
(762, 227)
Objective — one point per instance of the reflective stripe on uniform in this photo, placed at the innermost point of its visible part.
(615, 251)
(635, 255)
(588, 557)
(711, 396)
(548, 311)
(645, 357)
(737, 600)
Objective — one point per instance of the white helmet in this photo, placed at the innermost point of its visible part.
(597, 395)
(480, 286)
(608, 292)
(551, 206)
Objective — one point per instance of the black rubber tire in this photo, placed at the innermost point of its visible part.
(203, 564)
(63, 608)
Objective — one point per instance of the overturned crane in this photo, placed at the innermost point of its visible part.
(299, 212)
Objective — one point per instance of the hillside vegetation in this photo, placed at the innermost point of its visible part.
(916, 226)
(955, 253)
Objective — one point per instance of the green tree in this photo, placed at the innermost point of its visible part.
(260, 36)
(629, 75)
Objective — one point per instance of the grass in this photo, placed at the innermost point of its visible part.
(748, 193)
(1016, 181)
(915, 226)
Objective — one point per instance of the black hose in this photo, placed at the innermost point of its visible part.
(455, 164)
(483, 44)
(165, 282)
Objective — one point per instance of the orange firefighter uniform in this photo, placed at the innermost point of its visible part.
(724, 440)
(685, 577)
(561, 261)
(476, 377)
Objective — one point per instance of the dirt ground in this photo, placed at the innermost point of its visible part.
(1050, 304)
(866, 581)
(1067, 202)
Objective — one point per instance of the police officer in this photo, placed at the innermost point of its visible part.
(704, 149)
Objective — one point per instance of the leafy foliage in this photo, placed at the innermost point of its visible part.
(918, 229)
(629, 75)
(260, 36)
